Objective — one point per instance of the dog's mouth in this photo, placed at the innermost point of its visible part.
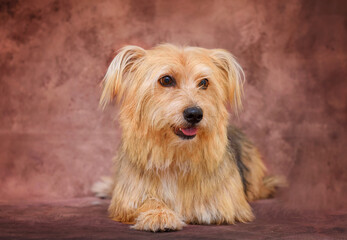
(186, 133)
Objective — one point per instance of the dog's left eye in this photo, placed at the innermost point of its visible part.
(167, 81)
(203, 84)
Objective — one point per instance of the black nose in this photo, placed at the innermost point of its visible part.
(193, 115)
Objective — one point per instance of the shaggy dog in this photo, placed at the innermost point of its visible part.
(179, 160)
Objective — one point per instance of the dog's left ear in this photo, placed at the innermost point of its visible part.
(234, 76)
(118, 73)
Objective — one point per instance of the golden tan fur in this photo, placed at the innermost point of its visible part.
(162, 181)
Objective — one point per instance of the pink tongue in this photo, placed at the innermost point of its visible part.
(189, 131)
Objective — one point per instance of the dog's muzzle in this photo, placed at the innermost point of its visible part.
(193, 116)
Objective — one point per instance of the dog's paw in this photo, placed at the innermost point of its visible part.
(158, 220)
(103, 188)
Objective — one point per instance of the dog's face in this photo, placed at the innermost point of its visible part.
(177, 96)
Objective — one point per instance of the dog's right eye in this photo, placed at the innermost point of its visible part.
(167, 81)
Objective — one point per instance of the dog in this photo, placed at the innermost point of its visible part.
(180, 161)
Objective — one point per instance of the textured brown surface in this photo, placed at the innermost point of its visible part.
(54, 142)
(86, 219)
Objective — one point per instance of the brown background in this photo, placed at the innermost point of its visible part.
(55, 142)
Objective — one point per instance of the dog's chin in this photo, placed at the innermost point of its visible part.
(186, 133)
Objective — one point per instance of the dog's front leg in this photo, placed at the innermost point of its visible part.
(155, 216)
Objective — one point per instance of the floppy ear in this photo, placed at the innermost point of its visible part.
(234, 76)
(113, 83)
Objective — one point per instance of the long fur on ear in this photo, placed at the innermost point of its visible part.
(234, 75)
(113, 83)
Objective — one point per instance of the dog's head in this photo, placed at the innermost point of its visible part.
(173, 95)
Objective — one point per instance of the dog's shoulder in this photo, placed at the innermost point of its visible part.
(237, 140)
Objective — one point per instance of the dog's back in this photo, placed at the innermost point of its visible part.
(256, 184)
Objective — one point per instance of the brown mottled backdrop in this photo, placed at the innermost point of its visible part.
(55, 142)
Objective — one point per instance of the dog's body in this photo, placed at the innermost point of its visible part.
(179, 162)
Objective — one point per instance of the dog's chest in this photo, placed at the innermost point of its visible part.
(183, 191)
(169, 187)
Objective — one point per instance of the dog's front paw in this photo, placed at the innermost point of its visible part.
(158, 220)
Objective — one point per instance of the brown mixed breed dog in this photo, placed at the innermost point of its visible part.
(180, 161)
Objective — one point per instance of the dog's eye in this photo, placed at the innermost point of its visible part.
(203, 84)
(167, 81)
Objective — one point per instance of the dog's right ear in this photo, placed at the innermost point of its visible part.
(114, 83)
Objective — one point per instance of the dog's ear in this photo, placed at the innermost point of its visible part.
(234, 76)
(114, 83)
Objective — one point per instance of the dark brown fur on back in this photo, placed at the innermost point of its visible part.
(256, 184)
(236, 141)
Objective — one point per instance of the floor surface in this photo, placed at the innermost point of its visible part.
(86, 218)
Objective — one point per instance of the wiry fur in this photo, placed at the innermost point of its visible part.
(162, 182)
